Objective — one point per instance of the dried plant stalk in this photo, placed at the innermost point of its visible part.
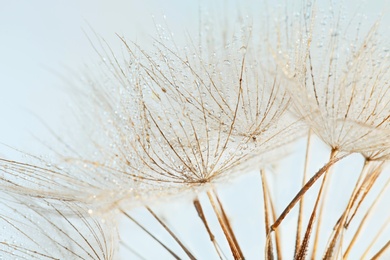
(199, 210)
(235, 249)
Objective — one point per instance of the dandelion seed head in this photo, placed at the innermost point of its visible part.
(158, 122)
(182, 118)
(30, 232)
(338, 78)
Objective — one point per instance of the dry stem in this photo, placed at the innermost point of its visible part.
(201, 215)
(172, 234)
(304, 189)
(150, 234)
(234, 247)
(301, 203)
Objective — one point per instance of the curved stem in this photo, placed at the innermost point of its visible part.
(365, 218)
(304, 189)
(305, 243)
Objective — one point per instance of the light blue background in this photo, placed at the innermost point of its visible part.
(40, 40)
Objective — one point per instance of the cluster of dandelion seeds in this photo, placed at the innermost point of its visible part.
(177, 121)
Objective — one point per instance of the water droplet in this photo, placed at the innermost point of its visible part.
(242, 50)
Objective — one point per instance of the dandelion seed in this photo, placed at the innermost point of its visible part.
(341, 92)
(170, 121)
(30, 233)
